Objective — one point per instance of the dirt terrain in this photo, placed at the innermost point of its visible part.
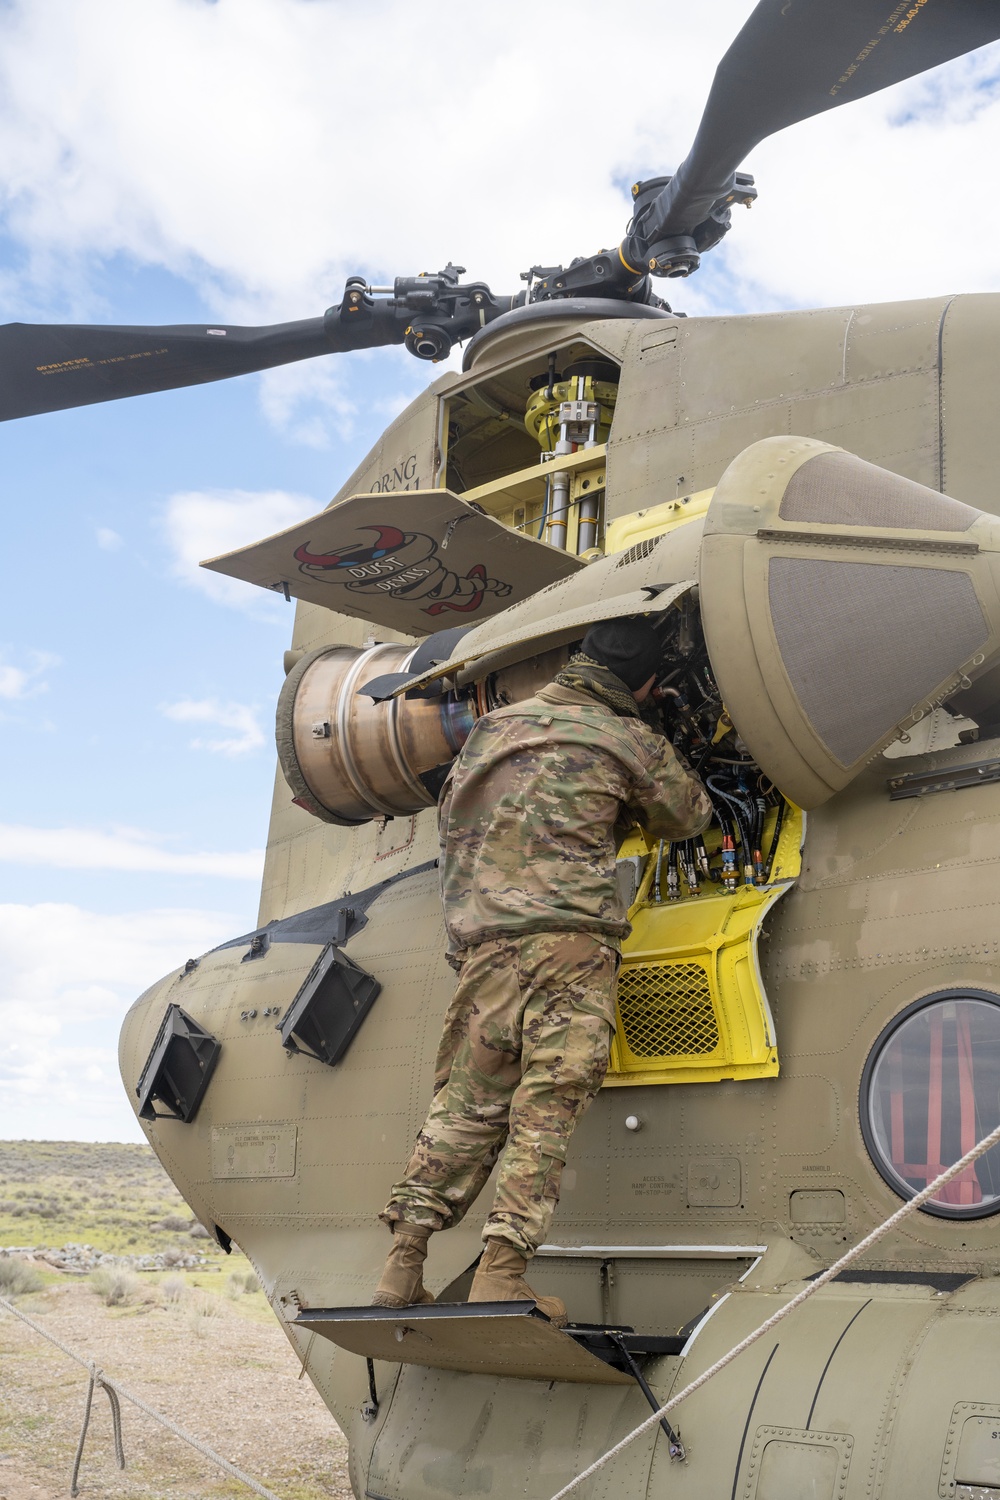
(199, 1344)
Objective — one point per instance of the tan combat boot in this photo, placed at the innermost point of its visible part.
(402, 1282)
(500, 1278)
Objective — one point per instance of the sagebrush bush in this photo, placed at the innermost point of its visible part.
(115, 1285)
(204, 1308)
(17, 1278)
(240, 1283)
(173, 1288)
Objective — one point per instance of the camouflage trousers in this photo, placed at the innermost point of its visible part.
(524, 1050)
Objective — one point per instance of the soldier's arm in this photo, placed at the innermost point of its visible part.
(668, 800)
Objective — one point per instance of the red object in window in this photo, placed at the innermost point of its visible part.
(964, 1189)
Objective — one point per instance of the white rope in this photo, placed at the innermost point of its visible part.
(97, 1379)
(909, 1207)
(115, 1389)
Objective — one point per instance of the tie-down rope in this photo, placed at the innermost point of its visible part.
(909, 1207)
(115, 1389)
(97, 1378)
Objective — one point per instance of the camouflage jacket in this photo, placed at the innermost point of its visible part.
(527, 816)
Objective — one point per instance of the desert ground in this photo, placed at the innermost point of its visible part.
(173, 1318)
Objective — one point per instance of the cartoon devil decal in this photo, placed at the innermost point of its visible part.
(403, 563)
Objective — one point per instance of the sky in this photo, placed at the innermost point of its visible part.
(171, 161)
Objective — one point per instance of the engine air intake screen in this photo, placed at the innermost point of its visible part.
(841, 604)
(178, 1068)
(838, 489)
(930, 1091)
(328, 1010)
(899, 607)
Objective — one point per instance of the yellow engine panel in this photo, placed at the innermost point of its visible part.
(691, 1002)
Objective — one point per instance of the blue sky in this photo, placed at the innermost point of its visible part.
(136, 703)
(175, 161)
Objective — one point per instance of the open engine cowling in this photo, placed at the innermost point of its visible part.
(841, 603)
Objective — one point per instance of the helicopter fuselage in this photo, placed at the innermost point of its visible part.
(695, 1206)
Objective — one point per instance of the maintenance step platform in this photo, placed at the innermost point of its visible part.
(488, 1338)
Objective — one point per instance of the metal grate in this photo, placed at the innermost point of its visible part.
(637, 552)
(666, 1010)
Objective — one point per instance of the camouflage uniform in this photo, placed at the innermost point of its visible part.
(534, 919)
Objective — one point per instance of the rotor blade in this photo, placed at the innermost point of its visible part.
(52, 367)
(797, 58)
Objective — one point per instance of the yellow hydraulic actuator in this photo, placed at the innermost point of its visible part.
(564, 416)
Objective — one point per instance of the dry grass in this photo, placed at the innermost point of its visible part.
(115, 1197)
(241, 1284)
(202, 1308)
(233, 1384)
(115, 1285)
(18, 1278)
(172, 1289)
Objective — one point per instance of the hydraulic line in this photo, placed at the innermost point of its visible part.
(693, 718)
(686, 859)
(742, 820)
(776, 835)
(673, 875)
(545, 507)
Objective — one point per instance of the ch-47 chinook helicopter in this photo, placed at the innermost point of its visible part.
(809, 1006)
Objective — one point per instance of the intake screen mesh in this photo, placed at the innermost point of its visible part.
(666, 1010)
(837, 489)
(864, 643)
(638, 552)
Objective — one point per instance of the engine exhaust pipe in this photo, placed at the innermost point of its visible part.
(347, 758)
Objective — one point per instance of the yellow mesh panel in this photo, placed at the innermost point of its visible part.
(666, 1010)
(691, 1001)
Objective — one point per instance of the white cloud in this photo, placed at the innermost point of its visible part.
(235, 158)
(26, 681)
(108, 540)
(868, 202)
(239, 716)
(69, 977)
(118, 849)
(311, 402)
(255, 158)
(199, 524)
(304, 401)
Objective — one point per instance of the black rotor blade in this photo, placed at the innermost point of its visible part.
(52, 367)
(797, 58)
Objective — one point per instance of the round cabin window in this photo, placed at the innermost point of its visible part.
(931, 1090)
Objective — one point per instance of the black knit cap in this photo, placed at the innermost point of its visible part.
(629, 648)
